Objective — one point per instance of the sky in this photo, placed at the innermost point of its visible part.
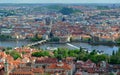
(59, 1)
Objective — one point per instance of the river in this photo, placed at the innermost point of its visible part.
(13, 43)
(106, 49)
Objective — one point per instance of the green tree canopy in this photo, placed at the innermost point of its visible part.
(15, 54)
(115, 57)
(40, 53)
(68, 11)
(54, 39)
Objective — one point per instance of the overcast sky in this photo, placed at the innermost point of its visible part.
(59, 1)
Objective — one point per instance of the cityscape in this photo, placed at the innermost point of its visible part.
(59, 39)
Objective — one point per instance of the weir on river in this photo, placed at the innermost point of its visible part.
(73, 46)
(76, 47)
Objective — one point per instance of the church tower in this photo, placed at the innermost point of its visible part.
(6, 67)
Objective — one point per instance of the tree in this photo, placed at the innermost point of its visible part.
(113, 60)
(111, 73)
(7, 52)
(71, 39)
(37, 54)
(66, 11)
(55, 53)
(23, 52)
(72, 53)
(9, 48)
(94, 52)
(46, 53)
(113, 53)
(59, 57)
(5, 37)
(81, 50)
(36, 38)
(63, 52)
(118, 41)
(115, 57)
(40, 53)
(54, 39)
(81, 56)
(99, 58)
(15, 54)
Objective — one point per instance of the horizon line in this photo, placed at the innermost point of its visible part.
(60, 3)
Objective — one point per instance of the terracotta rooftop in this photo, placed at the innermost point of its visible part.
(60, 65)
(37, 70)
(46, 60)
(21, 73)
(3, 54)
(26, 71)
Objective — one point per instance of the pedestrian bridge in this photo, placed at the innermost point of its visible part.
(36, 43)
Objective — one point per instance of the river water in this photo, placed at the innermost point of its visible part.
(106, 49)
(13, 43)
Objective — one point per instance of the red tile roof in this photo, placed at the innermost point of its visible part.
(37, 70)
(46, 60)
(21, 73)
(60, 65)
(26, 71)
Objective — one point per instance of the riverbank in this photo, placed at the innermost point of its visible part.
(106, 43)
(91, 43)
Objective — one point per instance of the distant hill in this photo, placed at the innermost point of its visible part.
(68, 11)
